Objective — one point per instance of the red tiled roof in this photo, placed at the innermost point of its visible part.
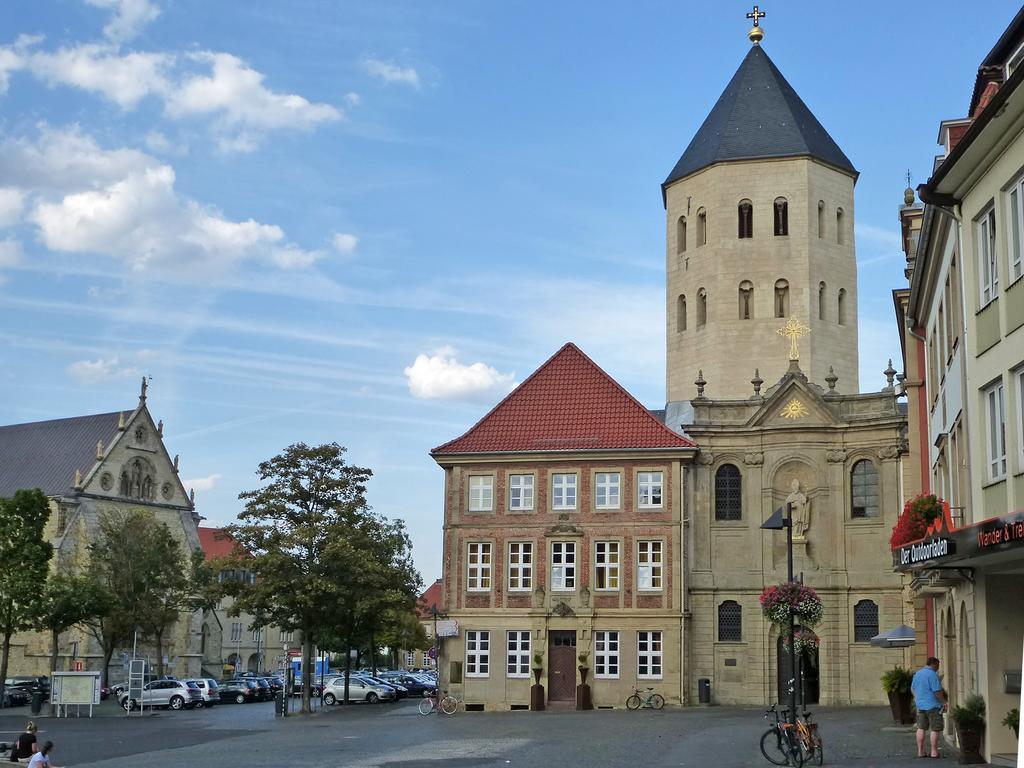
(568, 403)
(433, 596)
(216, 542)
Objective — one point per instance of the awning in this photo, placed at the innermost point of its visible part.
(900, 637)
(945, 546)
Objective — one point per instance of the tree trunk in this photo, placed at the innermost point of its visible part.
(348, 667)
(108, 654)
(307, 671)
(159, 637)
(54, 642)
(4, 656)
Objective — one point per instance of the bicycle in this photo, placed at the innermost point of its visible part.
(429, 703)
(650, 699)
(780, 744)
(811, 744)
(447, 704)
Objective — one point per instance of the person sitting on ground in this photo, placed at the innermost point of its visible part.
(25, 745)
(41, 759)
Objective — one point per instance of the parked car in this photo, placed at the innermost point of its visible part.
(401, 692)
(238, 691)
(208, 688)
(417, 686)
(16, 697)
(276, 684)
(314, 689)
(31, 683)
(175, 694)
(358, 690)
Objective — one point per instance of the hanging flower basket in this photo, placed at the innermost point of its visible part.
(803, 639)
(780, 601)
(917, 515)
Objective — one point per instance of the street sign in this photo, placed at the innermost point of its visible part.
(447, 628)
(79, 666)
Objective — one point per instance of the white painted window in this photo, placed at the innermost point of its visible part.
(607, 487)
(563, 491)
(1017, 230)
(648, 489)
(478, 566)
(410, 659)
(286, 636)
(563, 566)
(648, 655)
(478, 653)
(517, 662)
(995, 409)
(481, 493)
(987, 259)
(520, 566)
(648, 566)
(520, 492)
(606, 565)
(257, 635)
(236, 631)
(606, 655)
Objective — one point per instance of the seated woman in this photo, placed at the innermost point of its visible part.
(25, 745)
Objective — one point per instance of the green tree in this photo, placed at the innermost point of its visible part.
(304, 534)
(24, 561)
(68, 600)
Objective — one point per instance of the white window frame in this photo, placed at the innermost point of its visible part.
(257, 635)
(606, 655)
(650, 489)
(478, 653)
(563, 485)
(236, 631)
(479, 563)
(650, 653)
(481, 493)
(650, 565)
(517, 653)
(608, 485)
(520, 493)
(1019, 376)
(410, 658)
(520, 566)
(995, 434)
(563, 573)
(988, 258)
(607, 559)
(1015, 235)
(287, 635)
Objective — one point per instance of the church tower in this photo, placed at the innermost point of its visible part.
(759, 231)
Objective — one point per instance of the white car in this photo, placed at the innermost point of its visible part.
(358, 690)
(176, 694)
(209, 688)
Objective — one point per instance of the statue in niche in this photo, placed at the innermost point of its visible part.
(137, 482)
(147, 488)
(800, 511)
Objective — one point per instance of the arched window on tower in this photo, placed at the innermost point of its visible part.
(821, 301)
(730, 622)
(681, 313)
(821, 218)
(745, 218)
(728, 493)
(840, 226)
(746, 300)
(681, 235)
(781, 217)
(781, 298)
(865, 621)
(702, 226)
(702, 308)
(864, 489)
(841, 307)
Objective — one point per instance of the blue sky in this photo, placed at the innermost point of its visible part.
(363, 222)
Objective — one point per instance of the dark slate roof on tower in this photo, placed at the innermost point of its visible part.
(45, 454)
(758, 115)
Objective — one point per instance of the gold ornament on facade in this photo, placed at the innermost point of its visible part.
(756, 34)
(794, 409)
(793, 330)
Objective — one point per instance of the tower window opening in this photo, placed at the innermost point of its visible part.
(781, 217)
(702, 227)
(702, 308)
(746, 300)
(841, 307)
(781, 298)
(745, 216)
(681, 235)
(821, 219)
(821, 301)
(681, 313)
(840, 227)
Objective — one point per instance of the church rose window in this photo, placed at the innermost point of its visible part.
(745, 216)
(730, 622)
(864, 489)
(781, 217)
(728, 493)
(865, 621)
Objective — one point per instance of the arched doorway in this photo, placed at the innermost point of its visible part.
(234, 661)
(807, 661)
(966, 667)
(254, 663)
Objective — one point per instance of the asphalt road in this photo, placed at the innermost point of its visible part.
(397, 736)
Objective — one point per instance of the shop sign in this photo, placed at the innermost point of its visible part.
(447, 628)
(1002, 531)
(924, 551)
(988, 537)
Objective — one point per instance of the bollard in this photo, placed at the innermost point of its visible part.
(704, 692)
(280, 704)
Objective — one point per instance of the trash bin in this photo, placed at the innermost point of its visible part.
(280, 704)
(704, 691)
(37, 702)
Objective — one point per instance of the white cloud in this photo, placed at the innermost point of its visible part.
(390, 72)
(441, 376)
(157, 141)
(10, 252)
(353, 99)
(124, 79)
(202, 483)
(130, 16)
(12, 201)
(344, 244)
(100, 370)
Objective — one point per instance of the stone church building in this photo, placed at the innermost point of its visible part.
(576, 522)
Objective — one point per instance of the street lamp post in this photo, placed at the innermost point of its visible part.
(774, 523)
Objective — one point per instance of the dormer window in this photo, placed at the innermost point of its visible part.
(745, 217)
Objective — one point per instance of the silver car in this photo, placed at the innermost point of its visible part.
(175, 694)
(358, 690)
(209, 690)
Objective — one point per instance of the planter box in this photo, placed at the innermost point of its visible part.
(902, 706)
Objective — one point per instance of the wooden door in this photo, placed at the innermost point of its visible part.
(562, 665)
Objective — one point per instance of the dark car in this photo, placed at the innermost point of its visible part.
(276, 684)
(31, 683)
(400, 690)
(314, 689)
(415, 686)
(262, 687)
(239, 691)
(16, 697)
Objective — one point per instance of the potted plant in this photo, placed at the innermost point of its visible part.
(917, 515)
(969, 719)
(781, 601)
(584, 667)
(538, 667)
(896, 683)
(1012, 721)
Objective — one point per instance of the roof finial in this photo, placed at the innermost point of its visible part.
(99, 450)
(121, 426)
(756, 34)
(908, 193)
(142, 391)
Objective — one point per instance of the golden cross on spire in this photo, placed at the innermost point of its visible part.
(757, 14)
(793, 330)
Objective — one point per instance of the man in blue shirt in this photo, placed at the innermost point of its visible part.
(931, 703)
